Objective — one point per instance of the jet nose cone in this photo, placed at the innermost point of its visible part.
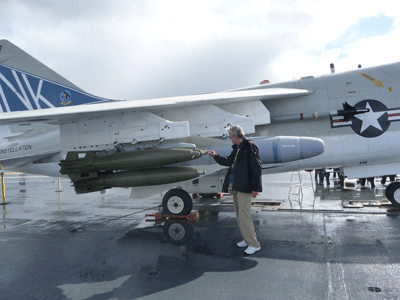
(310, 147)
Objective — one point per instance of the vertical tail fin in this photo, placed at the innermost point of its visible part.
(27, 84)
(16, 58)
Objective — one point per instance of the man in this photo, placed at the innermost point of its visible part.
(243, 181)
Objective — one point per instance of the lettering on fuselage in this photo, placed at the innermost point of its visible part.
(371, 124)
(15, 148)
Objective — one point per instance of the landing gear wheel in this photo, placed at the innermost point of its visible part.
(177, 232)
(393, 193)
(177, 202)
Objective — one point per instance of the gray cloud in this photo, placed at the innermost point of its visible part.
(145, 49)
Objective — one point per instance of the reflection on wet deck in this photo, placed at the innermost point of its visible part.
(117, 254)
(326, 196)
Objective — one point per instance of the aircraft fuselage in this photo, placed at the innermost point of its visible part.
(367, 139)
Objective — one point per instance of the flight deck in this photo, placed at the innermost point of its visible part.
(318, 242)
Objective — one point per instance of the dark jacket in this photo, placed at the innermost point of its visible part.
(247, 173)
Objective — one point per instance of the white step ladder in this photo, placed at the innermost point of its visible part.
(296, 188)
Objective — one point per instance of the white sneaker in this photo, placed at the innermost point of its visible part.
(242, 244)
(251, 250)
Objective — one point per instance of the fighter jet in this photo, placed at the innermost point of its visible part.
(338, 120)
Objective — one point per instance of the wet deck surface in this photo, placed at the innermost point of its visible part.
(321, 251)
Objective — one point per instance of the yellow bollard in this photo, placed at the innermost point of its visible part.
(3, 188)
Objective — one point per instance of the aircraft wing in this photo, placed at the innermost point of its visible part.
(62, 115)
(112, 122)
(32, 93)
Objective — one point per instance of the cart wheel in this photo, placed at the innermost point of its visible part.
(177, 202)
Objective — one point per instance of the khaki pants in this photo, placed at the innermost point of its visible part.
(242, 203)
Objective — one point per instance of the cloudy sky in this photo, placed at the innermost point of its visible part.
(133, 49)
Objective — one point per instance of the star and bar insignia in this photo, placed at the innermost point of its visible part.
(368, 118)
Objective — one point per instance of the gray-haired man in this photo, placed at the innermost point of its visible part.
(243, 181)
